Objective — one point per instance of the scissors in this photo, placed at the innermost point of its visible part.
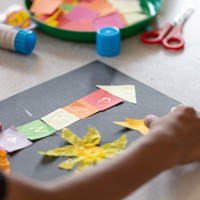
(170, 36)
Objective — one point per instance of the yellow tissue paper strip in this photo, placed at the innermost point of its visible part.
(135, 124)
(85, 152)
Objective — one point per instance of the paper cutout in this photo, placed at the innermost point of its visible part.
(82, 25)
(126, 92)
(85, 152)
(18, 19)
(102, 99)
(134, 124)
(16, 16)
(114, 19)
(132, 18)
(52, 21)
(60, 119)
(42, 18)
(67, 7)
(102, 7)
(126, 6)
(88, 15)
(45, 7)
(62, 20)
(36, 130)
(11, 140)
(81, 109)
(82, 13)
(4, 162)
(71, 2)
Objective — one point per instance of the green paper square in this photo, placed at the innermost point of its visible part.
(36, 130)
(67, 7)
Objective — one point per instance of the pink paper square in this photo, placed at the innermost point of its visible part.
(102, 99)
(82, 13)
(62, 20)
(83, 26)
(11, 140)
(114, 19)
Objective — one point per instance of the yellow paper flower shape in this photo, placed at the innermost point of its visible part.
(85, 152)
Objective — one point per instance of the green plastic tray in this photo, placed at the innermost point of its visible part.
(150, 8)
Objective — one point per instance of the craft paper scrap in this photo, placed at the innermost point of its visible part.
(52, 20)
(126, 6)
(102, 7)
(134, 124)
(45, 7)
(88, 15)
(62, 20)
(60, 119)
(82, 13)
(87, 151)
(82, 25)
(81, 109)
(102, 99)
(18, 19)
(11, 140)
(36, 130)
(132, 18)
(16, 16)
(4, 162)
(126, 92)
(67, 7)
(114, 19)
(71, 2)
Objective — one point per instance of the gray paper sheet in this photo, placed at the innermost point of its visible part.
(61, 91)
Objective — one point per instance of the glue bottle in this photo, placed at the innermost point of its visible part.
(19, 40)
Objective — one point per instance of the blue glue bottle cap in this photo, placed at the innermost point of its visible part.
(108, 41)
(25, 41)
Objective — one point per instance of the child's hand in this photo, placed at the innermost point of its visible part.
(181, 128)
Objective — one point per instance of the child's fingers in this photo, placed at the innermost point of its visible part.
(149, 119)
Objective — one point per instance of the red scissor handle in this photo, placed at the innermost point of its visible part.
(156, 36)
(174, 39)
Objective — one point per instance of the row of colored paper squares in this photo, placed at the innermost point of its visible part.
(13, 139)
(87, 15)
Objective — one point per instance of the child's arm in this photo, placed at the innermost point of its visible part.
(173, 139)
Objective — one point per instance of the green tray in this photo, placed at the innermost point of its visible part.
(150, 8)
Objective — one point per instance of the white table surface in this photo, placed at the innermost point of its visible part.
(176, 74)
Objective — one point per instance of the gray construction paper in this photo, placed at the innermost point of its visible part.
(40, 100)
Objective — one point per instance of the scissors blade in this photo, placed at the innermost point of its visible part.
(183, 15)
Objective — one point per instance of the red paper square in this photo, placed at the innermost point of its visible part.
(102, 99)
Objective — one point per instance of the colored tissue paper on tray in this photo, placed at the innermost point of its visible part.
(87, 16)
(84, 153)
(4, 162)
(134, 124)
